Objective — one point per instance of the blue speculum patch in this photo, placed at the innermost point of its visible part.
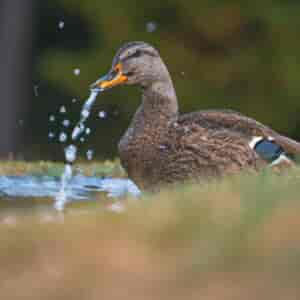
(268, 150)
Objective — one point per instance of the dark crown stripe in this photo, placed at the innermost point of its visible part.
(142, 50)
(138, 53)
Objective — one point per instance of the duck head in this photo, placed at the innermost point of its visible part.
(136, 63)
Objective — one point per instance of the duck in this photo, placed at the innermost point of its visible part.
(162, 146)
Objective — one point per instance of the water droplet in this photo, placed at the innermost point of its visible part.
(102, 114)
(51, 135)
(51, 118)
(70, 153)
(61, 24)
(35, 89)
(151, 26)
(85, 113)
(63, 137)
(74, 100)
(76, 71)
(82, 140)
(87, 131)
(66, 123)
(89, 154)
(62, 109)
(21, 122)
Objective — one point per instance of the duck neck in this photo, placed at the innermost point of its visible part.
(159, 102)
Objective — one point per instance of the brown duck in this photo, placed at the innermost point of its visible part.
(162, 146)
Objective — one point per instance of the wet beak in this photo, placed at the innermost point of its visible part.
(113, 78)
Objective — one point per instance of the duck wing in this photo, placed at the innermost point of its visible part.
(247, 127)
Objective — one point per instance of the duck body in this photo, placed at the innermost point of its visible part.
(162, 146)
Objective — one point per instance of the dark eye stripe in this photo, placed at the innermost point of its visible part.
(128, 74)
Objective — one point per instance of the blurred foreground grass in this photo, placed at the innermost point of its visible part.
(234, 239)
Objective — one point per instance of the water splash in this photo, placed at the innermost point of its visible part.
(89, 154)
(61, 198)
(70, 151)
(79, 128)
(84, 114)
(80, 187)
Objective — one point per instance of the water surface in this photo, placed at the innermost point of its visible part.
(80, 188)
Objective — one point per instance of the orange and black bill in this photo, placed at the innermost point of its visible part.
(113, 78)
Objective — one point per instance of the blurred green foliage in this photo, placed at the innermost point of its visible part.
(241, 55)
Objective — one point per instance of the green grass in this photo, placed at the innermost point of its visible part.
(238, 238)
(106, 168)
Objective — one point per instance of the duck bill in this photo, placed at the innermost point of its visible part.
(113, 78)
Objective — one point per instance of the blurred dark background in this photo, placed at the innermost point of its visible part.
(243, 55)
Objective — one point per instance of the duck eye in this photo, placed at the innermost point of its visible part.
(113, 73)
(128, 74)
(137, 53)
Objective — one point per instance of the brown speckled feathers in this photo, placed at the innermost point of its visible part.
(158, 149)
